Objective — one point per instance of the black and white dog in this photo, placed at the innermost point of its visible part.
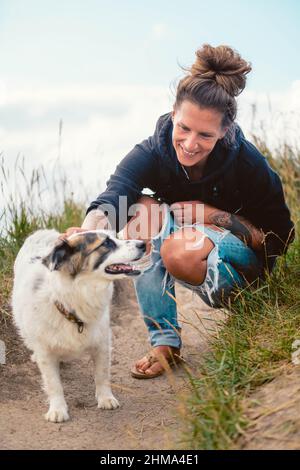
(61, 301)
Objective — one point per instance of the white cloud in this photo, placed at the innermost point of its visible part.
(159, 31)
(274, 115)
(102, 123)
(3, 92)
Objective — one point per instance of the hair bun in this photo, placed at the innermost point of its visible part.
(223, 65)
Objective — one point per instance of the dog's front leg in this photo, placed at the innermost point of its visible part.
(101, 358)
(58, 409)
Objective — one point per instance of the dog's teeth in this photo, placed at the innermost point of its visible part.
(120, 268)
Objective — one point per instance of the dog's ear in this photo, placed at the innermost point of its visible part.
(60, 253)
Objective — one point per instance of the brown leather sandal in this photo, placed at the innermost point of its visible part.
(166, 363)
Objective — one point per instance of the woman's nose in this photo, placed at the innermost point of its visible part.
(191, 143)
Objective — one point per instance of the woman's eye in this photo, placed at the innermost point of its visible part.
(206, 137)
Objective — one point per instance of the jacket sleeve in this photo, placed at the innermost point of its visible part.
(264, 203)
(135, 172)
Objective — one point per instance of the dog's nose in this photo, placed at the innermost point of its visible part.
(141, 245)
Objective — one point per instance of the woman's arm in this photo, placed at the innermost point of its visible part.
(190, 212)
(94, 220)
(138, 170)
(237, 224)
(264, 203)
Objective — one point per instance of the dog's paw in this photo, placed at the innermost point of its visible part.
(57, 415)
(108, 402)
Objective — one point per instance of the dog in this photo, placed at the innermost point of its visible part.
(61, 302)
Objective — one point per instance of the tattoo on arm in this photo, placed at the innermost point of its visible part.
(240, 227)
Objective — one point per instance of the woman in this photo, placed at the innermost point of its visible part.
(221, 218)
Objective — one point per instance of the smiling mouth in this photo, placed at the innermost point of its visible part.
(122, 269)
(188, 154)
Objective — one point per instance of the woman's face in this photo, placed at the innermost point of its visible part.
(195, 132)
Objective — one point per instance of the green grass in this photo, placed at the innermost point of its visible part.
(254, 345)
(250, 350)
(24, 213)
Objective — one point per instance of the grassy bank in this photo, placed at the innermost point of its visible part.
(254, 345)
(26, 211)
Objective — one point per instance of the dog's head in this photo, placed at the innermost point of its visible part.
(98, 251)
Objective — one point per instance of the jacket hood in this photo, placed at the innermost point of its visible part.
(221, 157)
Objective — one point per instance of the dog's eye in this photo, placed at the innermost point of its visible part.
(109, 243)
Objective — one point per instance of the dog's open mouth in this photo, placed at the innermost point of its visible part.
(122, 269)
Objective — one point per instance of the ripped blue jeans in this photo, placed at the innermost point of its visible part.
(229, 264)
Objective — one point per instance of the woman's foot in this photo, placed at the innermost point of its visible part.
(156, 362)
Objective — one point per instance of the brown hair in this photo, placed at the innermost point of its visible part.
(213, 81)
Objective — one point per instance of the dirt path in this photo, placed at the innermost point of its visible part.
(147, 418)
(274, 413)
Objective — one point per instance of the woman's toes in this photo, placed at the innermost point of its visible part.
(157, 367)
(142, 364)
(145, 366)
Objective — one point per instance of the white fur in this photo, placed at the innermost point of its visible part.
(50, 336)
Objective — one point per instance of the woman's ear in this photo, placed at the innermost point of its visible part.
(173, 114)
(223, 132)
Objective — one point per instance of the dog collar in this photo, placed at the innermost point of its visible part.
(70, 315)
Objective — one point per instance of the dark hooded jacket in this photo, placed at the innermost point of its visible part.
(237, 178)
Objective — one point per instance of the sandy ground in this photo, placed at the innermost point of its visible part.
(149, 414)
(274, 413)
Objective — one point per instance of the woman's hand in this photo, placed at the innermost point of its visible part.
(188, 212)
(94, 220)
(70, 231)
(191, 212)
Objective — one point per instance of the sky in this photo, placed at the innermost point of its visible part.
(86, 80)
